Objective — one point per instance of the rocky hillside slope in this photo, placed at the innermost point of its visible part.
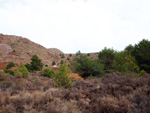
(20, 50)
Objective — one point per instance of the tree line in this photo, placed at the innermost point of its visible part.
(132, 59)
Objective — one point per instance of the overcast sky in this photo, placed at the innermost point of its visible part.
(72, 25)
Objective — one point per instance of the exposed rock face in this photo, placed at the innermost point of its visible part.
(20, 50)
(5, 48)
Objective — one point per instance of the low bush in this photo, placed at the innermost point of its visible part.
(88, 54)
(28, 66)
(62, 61)
(62, 76)
(12, 43)
(107, 57)
(142, 73)
(3, 76)
(124, 62)
(68, 58)
(62, 55)
(48, 72)
(11, 72)
(70, 55)
(53, 63)
(21, 71)
(86, 66)
(10, 65)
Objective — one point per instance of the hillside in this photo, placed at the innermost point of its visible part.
(20, 50)
(64, 92)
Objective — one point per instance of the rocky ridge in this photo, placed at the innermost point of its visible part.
(20, 50)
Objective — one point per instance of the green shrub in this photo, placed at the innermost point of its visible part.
(68, 58)
(62, 61)
(28, 66)
(106, 57)
(129, 48)
(88, 54)
(3, 76)
(62, 76)
(62, 55)
(12, 44)
(21, 71)
(46, 65)
(11, 72)
(142, 73)
(124, 62)
(48, 72)
(141, 52)
(86, 66)
(53, 63)
(70, 55)
(10, 65)
(36, 63)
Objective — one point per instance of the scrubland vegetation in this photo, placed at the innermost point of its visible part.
(116, 82)
(112, 93)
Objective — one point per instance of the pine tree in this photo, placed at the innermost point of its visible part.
(62, 78)
(53, 63)
(36, 63)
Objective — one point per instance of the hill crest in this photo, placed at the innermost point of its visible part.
(20, 50)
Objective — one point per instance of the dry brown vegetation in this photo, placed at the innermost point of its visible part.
(112, 93)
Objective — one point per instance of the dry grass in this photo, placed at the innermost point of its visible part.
(110, 94)
(75, 76)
